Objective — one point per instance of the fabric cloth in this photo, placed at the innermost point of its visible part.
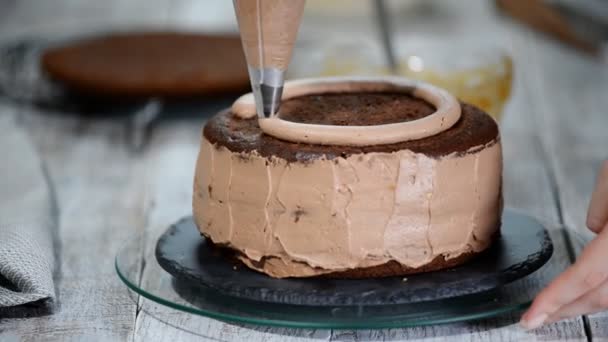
(28, 219)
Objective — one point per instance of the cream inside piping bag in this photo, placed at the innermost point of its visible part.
(268, 31)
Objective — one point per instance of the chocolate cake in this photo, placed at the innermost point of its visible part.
(292, 206)
(150, 64)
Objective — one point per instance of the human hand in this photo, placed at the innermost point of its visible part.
(583, 287)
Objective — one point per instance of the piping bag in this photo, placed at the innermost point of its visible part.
(268, 32)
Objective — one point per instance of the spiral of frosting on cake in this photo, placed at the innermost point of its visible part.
(447, 113)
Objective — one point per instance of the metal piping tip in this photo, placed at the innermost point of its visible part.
(271, 99)
(267, 85)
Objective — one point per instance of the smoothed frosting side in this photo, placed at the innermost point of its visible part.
(360, 211)
(447, 113)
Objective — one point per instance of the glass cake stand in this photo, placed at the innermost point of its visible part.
(159, 286)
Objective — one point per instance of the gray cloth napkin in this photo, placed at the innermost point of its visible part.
(27, 219)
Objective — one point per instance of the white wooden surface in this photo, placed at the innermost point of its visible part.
(552, 138)
(573, 109)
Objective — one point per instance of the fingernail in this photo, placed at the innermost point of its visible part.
(534, 322)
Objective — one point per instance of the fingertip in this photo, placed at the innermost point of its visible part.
(534, 322)
(604, 168)
(534, 310)
(553, 318)
(524, 316)
(546, 301)
(594, 224)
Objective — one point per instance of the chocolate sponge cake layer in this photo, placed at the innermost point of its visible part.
(149, 64)
(474, 128)
(355, 109)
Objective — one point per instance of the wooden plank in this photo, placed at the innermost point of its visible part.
(526, 183)
(570, 89)
(169, 162)
(98, 185)
(527, 188)
(98, 191)
(539, 202)
(97, 181)
(177, 143)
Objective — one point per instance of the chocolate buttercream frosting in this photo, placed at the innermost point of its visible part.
(297, 210)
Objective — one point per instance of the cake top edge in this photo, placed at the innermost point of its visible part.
(447, 113)
(474, 130)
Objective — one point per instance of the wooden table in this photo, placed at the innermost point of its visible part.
(554, 134)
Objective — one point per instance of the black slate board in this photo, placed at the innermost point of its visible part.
(524, 246)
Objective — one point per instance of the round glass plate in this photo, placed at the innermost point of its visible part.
(157, 285)
(522, 247)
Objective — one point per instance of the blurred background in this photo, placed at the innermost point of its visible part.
(423, 39)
